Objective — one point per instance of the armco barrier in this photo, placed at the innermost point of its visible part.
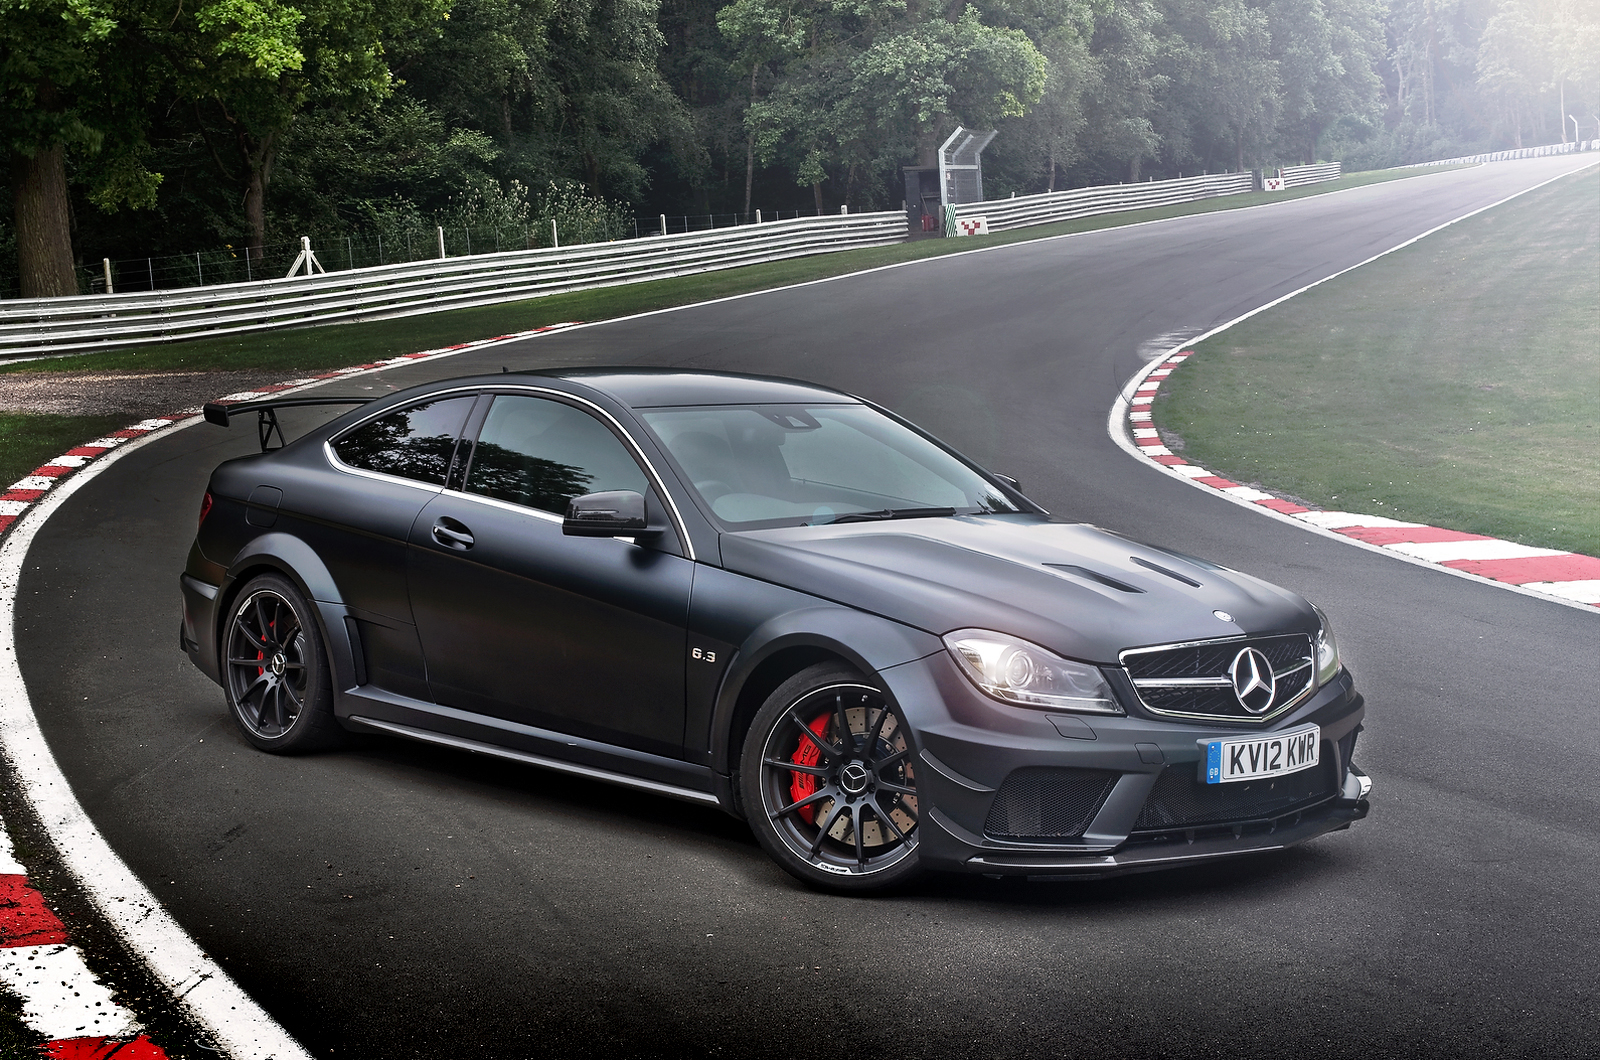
(1024, 210)
(96, 322)
(1519, 152)
(1295, 176)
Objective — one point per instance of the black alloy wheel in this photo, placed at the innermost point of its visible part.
(828, 780)
(275, 669)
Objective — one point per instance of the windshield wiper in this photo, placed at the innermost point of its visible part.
(888, 513)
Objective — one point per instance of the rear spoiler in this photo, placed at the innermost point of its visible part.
(267, 415)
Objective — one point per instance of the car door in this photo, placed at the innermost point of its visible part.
(584, 636)
(358, 523)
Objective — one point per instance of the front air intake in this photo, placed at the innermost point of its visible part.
(1045, 802)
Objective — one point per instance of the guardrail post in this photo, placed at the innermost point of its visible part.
(663, 224)
(844, 209)
(441, 241)
(105, 263)
(758, 216)
(555, 234)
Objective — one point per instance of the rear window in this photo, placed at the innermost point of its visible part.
(417, 443)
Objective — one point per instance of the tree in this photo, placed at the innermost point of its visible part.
(250, 67)
(72, 75)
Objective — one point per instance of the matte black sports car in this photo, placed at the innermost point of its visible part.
(774, 598)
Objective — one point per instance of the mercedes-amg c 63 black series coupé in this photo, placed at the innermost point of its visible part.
(770, 597)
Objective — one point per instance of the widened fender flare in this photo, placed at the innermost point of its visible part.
(868, 642)
(297, 561)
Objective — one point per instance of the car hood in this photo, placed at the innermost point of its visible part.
(1078, 590)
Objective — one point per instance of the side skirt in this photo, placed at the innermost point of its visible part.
(462, 743)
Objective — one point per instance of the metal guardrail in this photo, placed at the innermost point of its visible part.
(1003, 214)
(96, 322)
(1297, 176)
(1518, 152)
(1024, 210)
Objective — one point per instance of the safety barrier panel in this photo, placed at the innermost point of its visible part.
(1295, 176)
(1519, 152)
(1024, 210)
(30, 327)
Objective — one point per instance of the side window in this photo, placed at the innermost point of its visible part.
(543, 453)
(415, 443)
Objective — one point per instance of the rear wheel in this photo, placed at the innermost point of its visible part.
(829, 783)
(275, 669)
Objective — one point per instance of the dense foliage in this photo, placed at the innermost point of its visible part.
(152, 127)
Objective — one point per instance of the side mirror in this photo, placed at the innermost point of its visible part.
(615, 513)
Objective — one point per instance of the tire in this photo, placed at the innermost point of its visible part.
(275, 670)
(841, 816)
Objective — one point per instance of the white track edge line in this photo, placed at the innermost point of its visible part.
(240, 1026)
(1117, 419)
(217, 1003)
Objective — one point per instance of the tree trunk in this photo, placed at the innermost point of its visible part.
(750, 143)
(1238, 150)
(1133, 170)
(258, 158)
(1051, 185)
(44, 224)
(816, 193)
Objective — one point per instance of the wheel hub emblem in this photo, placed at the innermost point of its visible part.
(1253, 681)
(853, 778)
(278, 663)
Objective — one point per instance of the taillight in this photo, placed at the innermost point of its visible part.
(205, 508)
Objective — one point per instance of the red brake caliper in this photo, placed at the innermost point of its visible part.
(804, 784)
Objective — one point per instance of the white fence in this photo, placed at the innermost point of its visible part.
(30, 327)
(1520, 152)
(1003, 214)
(1295, 176)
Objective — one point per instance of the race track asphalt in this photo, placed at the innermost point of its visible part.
(394, 900)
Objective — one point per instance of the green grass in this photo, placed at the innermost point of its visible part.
(26, 441)
(18, 1041)
(1455, 383)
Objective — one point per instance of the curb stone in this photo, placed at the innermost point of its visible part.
(61, 998)
(1570, 577)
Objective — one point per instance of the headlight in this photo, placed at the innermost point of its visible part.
(1014, 671)
(1327, 650)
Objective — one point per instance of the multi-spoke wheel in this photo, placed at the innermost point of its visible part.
(275, 670)
(829, 783)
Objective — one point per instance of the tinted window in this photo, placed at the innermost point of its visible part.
(416, 443)
(543, 453)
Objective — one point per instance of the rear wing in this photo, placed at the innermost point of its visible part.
(267, 414)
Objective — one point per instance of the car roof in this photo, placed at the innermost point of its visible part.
(664, 387)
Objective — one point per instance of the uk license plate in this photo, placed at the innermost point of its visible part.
(1268, 755)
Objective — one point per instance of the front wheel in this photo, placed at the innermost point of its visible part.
(275, 669)
(829, 783)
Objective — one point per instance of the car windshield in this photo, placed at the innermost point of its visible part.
(787, 465)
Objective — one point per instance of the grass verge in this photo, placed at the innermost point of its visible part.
(1454, 383)
(27, 440)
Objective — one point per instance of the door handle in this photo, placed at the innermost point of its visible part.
(452, 534)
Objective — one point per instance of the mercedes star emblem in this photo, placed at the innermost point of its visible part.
(1253, 680)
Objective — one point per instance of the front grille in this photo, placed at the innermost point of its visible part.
(1192, 680)
(1179, 800)
(1043, 802)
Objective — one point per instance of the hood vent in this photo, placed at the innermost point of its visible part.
(1096, 576)
(1174, 575)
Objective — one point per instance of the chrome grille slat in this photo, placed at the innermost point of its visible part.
(1191, 680)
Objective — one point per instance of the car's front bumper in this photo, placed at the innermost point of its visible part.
(989, 774)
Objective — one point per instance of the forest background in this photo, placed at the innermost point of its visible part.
(137, 128)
